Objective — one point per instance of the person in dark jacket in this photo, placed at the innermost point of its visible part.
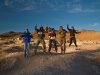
(27, 37)
(62, 33)
(72, 35)
(52, 39)
(40, 39)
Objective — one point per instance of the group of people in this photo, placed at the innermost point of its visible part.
(52, 39)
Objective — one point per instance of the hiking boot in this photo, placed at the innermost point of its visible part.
(61, 50)
(35, 51)
(44, 51)
(69, 45)
(25, 56)
(56, 51)
(49, 52)
(64, 51)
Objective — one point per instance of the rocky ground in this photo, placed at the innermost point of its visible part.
(84, 61)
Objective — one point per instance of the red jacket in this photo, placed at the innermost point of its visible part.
(52, 35)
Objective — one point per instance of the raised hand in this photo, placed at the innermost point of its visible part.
(66, 24)
(35, 24)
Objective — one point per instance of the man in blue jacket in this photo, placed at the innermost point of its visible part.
(27, 37)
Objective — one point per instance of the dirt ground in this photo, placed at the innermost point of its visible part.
(73, 62)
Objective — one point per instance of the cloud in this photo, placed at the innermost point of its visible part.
(7, 2)
(78, 9)
(20, 4)
(96, 24)
(28, 8)
(79, 6)
(24, 5)
(73, 6)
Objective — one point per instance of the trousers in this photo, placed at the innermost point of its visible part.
(27, 48)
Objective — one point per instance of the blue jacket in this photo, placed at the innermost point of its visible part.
(27, 36)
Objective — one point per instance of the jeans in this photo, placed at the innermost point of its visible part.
(26, 48)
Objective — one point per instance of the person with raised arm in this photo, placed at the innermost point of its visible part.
(40, 39)
(72, 32)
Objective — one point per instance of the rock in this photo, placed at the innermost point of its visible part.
(18, 39)
(11, 42)
(96, 69)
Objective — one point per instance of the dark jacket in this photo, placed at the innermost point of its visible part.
(41, 34)
(27, 36)
(72, 32)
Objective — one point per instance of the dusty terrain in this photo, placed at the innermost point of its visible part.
(84, 61)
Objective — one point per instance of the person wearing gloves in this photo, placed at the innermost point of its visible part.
(52, 39)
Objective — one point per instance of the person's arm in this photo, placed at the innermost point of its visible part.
(55, 34)
(65, 33)
(22, 35)
(43, 35)
(49, 34)
(68, 27)
(31, 35)
(35, 28)
(75, 31)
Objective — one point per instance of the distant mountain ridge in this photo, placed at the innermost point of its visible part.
(81, 35)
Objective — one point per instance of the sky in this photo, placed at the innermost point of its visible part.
(17, 15)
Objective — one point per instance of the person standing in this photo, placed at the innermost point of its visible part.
(27, 37)
(72, 35)
(52, 39)
(40, 39)
(62, 34)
